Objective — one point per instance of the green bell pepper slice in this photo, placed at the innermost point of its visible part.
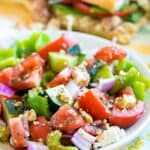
(38, 102)
(145, 80)
(47, 77)
(32, 44)
(76, 50)
(8, 62)
(124, 65)
(125, 80)
(139, 90)
(53, 142)
(103, 72)
(6, 53)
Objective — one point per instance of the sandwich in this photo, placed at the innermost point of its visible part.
(112, 19)
(25, 12)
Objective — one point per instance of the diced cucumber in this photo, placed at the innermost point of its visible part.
(76, 50)
(94, 69)
(103, 72)
(38, 103)
(59, 61)
(11, 108)
(59, 96)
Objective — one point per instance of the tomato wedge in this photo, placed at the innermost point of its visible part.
(17, 132)
(110, 53)
(27, 74)
(63, 43)
(126, 118)
(91, 103)
(62, 78)
(67, 119)
(40, 129)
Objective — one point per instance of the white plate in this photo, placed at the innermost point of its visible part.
(89, 44)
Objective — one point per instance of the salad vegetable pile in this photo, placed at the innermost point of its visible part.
(53, 97)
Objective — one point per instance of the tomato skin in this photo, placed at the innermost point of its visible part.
(66, 119)
(91, 103)
(110, 53)
(32, 62)
(31, 82)
(17, 132)
(27, 74)
(40, 130)
(126, 118)
(62, 78)
(8, 74)
(63, 43)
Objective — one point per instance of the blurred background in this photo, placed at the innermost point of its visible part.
(38, 14)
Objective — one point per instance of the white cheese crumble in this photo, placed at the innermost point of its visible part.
(109, 136)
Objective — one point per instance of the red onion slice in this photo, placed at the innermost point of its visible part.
(36, 146)
(6, 90)
(83, 140)
(106, 84)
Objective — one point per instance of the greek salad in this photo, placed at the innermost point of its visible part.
(53, 97)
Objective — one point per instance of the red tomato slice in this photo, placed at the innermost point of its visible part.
(110, 53)
(124, 13)
(126, 118)
(63, 43)
(27, 74)
(39, 129)
(91, 103)
(32, 62)
(32, 81)
(8, 74)
(67, 119)
(62, 78)
(84, 8)
(17, 132)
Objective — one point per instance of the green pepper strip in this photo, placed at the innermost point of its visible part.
(53, 142)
